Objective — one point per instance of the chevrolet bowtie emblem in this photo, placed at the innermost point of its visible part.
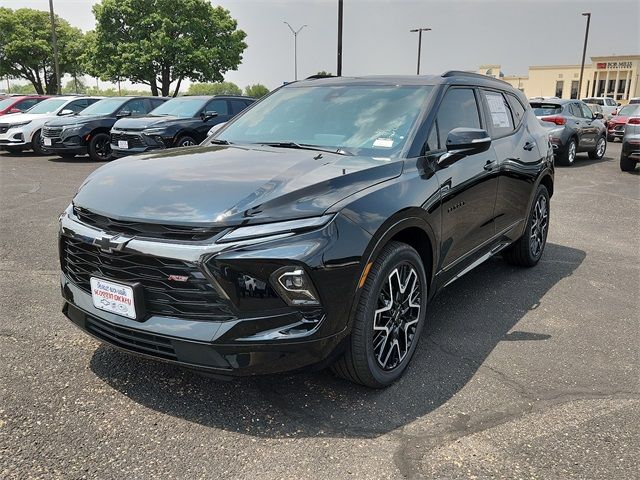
(110, 244)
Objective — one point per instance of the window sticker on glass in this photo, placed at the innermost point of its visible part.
(383, 142)
(498, 109)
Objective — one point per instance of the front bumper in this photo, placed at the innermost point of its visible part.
(136, 142)
(262, 334)
(14, 137)
(616, 130)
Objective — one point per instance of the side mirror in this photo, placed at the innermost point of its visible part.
(123, 113)
(598, 116)
(619, 104)
(462, 142)
(66, 111)
(208, 115)
(614, 113)
(14, 110)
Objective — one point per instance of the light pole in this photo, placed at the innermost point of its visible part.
(584, 51)
(340, 12)
(295, 47)
(419, 30)
(54, 40)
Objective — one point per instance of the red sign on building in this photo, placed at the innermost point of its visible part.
(601, 65)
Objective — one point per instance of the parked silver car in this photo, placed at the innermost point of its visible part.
(630, 154)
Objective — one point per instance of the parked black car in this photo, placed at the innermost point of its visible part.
(180, 122)
(88, 131)
(573, 128)
(354, 199)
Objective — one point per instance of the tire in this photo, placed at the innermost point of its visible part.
(382, 343)
(35, 143)
(100, 147)
(185, 141)
(528, 249)
(601, 148)
(568, 157)
(627, 164)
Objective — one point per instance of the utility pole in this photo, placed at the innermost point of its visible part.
(419, 30)
(340, 17)
(584, 51)
(54, 40)
(295, 47)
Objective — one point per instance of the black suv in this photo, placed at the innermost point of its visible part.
(313, 229)
(179, 122)
(88, 131)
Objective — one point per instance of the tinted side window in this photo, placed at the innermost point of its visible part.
(516, 108)
(155, 103)
(586, 111)
(26, 104)
(432, 141)
(574, 109)
(136, 107)
(77, 105)
(458, 109)
(237, 106)
(219, 106)
(499, 113)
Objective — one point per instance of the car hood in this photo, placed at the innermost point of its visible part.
(142, 123)
(228, 185)
(76, 119)
(24, 117)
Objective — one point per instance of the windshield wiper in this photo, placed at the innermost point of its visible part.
(217, 141)
(305, 146)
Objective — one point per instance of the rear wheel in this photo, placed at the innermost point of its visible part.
(389, 319)
(626, 164)
(527, 250)
(569, 155)
(598, 152)
(100, 147)
(36, 146)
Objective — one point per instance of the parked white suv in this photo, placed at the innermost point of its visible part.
(609, 105)
(21, 131)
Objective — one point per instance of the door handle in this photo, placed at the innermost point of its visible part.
(529, 146)
(489, 165)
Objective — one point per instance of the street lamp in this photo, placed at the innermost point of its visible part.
(295, 47)
(584, 52)
(419, 30)
(54, 40)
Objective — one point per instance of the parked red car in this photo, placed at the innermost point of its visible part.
(615, 127)
(19, 104)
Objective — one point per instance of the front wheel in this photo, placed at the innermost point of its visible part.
(598, 152)
(36, 146)
(527, 250)
(100, 147)
(185, 141)
(389, 319)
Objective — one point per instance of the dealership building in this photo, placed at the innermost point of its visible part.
(613, 76)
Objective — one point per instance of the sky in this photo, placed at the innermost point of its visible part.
(465, 34)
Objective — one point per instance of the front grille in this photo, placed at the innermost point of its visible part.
(131, 339)
(4, 128)
(51, 132)
(135, 141)
(152, 230)
(619, 128)
(194, 299)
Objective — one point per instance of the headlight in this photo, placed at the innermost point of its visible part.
(154, 131)
(69, 128)
(21, 124)
(276, 228)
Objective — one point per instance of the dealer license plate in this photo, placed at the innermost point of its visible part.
(47, 142)
(113, 297)
(123, 144)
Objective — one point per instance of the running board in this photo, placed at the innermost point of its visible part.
(480, 260)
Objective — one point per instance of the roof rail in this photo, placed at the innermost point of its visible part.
(460, 73)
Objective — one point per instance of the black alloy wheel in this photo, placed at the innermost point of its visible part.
(100, 147)
(185, 142)
(389, 318)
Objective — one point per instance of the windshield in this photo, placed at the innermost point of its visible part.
(628, 110)
(104, 107)
(540, 109)
(47, 106)
(180, 107)
(6, 102)
(360, 119)
(596, 101)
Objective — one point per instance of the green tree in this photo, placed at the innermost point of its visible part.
(221, 88)
(23, 89)
(256, 91)
(26, 51)
(323, 73)
(161, 42)
(75, 85)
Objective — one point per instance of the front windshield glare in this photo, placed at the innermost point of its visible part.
(361, 119)
(180, 107)
(103, 107)
(47, 106)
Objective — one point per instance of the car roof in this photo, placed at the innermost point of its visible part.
(206, 97)
(449, 77)
(557, 101)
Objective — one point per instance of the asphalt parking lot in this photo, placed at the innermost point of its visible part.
(521, 374)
